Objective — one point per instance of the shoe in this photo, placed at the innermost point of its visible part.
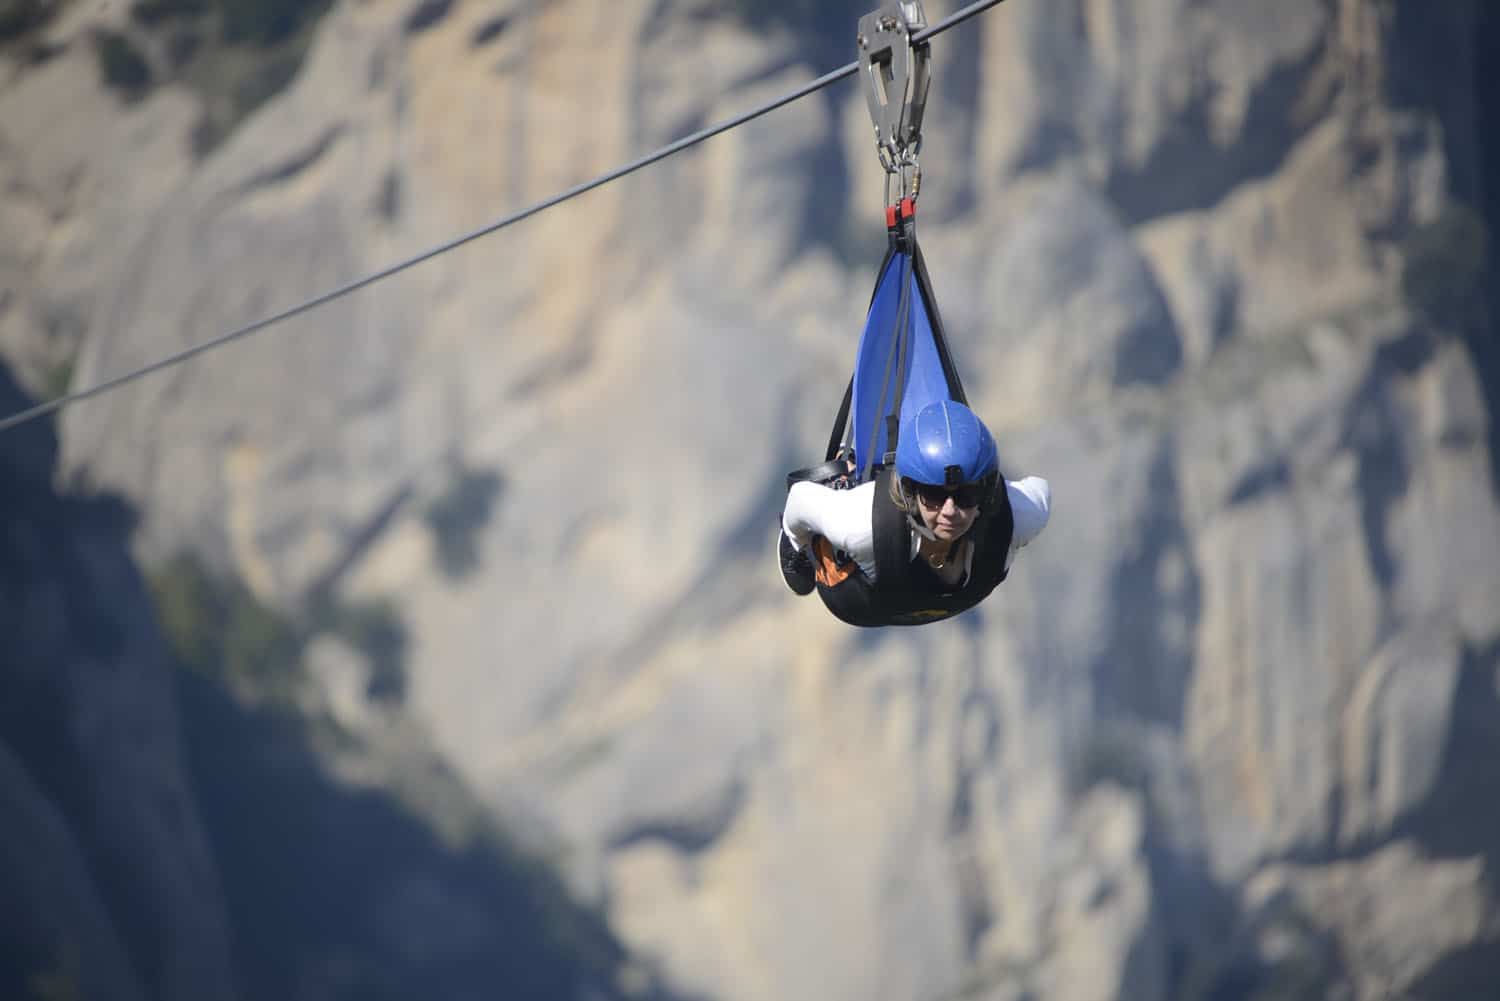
(796, 568)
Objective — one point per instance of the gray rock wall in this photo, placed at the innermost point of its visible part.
(114, 893)
(1174, 243)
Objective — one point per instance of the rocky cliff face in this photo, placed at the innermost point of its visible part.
(110, 889)
(1217, 274)
(189, 834)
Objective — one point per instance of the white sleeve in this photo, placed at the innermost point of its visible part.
(843, 517)
(1031, 503)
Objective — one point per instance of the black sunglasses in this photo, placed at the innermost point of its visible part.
(935, 496)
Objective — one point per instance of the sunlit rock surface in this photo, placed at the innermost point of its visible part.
(1250, 663)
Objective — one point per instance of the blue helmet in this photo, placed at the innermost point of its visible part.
(946, 444)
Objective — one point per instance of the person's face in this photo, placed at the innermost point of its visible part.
(942, 512)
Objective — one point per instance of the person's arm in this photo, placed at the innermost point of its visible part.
(1031, 503)
(843, 517)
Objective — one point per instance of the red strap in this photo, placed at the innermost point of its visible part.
(906, 210)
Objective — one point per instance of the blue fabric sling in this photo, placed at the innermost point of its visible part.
(902, 363)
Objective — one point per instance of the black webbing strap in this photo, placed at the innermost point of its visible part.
(905, 238)
(950, 371)
(821, 473)
(892, 538)
(836, 437)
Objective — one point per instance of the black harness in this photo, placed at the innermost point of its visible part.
(905, 591)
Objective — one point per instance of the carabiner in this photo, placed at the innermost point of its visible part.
(896, 78)
(907, 173)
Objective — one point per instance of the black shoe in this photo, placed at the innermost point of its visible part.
(796, 568)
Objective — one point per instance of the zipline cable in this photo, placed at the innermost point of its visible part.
(42, 409)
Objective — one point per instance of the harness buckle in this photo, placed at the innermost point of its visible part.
(896, 76)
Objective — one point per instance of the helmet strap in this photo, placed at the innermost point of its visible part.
(912, 514)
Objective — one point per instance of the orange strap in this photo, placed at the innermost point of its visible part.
(825, 567)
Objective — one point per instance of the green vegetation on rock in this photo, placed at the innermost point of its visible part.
(399, 885)
(57, 984)
(218, 629)
(59, 378)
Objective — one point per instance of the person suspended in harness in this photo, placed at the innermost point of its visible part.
(909, 519)
(922, 541)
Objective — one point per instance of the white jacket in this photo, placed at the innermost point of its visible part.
(843, 517)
